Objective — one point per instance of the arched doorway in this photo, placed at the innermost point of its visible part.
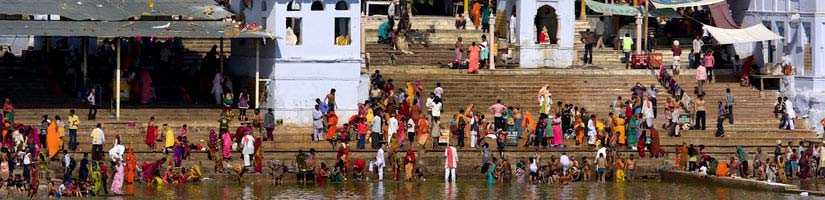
(546, 19)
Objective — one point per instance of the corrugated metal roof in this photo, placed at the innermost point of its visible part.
(116, 10)
(185, 29)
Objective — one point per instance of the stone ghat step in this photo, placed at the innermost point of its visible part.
(714, 141)
(750, 133)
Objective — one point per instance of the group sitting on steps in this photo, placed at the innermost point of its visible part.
(805, 161)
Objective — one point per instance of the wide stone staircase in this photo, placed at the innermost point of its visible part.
(611, 58)
(433, 42)
(754, 125)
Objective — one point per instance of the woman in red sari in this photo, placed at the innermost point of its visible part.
(259, 159)
(150, 133)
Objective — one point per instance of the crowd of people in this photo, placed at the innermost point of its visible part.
(787, 163)
(29, 150)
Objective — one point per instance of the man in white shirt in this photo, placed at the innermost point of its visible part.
(790, 114)
(438, 90)
(591, 130)
(450, 163)
(697, 45)
(248, 148)
(599, 28)
(392, 127)
(116, 152)
(512, 26)
(565, 161)
(379, 162)
(317, 124)
(376, 130)
(647, 111)
(97, 143)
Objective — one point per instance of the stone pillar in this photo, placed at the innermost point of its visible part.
(818, 46)
(638, 34)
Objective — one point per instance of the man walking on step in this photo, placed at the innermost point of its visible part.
(97, 142)
(74, 122)
(790, 114)
(497, 110)
(627, 46)
(729, 104)
(587, 39)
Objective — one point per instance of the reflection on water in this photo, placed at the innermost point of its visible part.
(466, 189)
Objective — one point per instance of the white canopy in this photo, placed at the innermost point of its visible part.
(756, 33)
(682, 3)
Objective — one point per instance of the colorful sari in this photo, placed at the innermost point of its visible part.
(632, 132)
(557, 138)
(579, 127)
(52, 139)
(259, 159)
(528, 124)
(618, 128)
(227, 145)
(150, 134)
(117, 180)
(423, 131)
(332, 123)
(474, 53)
(131, 166)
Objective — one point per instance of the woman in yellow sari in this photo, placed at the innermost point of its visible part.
(410, 93)
(618, 128)
(52, 139)
(579, 127)
(620, 170)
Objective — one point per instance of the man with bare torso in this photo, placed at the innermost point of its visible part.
(330, 99)
(601, 167)
(630, 167)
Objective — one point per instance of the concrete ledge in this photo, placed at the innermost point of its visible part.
(682, 176)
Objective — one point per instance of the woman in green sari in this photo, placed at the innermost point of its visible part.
(96, 178)
(8, 111)
(632, 132)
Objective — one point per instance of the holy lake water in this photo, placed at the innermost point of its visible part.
(435, 188)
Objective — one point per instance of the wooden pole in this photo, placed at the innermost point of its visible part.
(117, 80)
(257, 73)
(85, 68)
(220, 56)
(493, 39)
(646, 24)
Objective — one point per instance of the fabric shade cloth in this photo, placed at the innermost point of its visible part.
(682, 3)
(722, 17)
(611, 9)
(756, 33)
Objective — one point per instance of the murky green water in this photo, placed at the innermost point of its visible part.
(435, 189)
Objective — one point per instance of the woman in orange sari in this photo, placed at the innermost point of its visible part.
(332, 123)
(468, 115)
(52, 139)
(528, 126)
(579, 127)
(476, 13)
(131, 166)
(474, 49)
(423, 131)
